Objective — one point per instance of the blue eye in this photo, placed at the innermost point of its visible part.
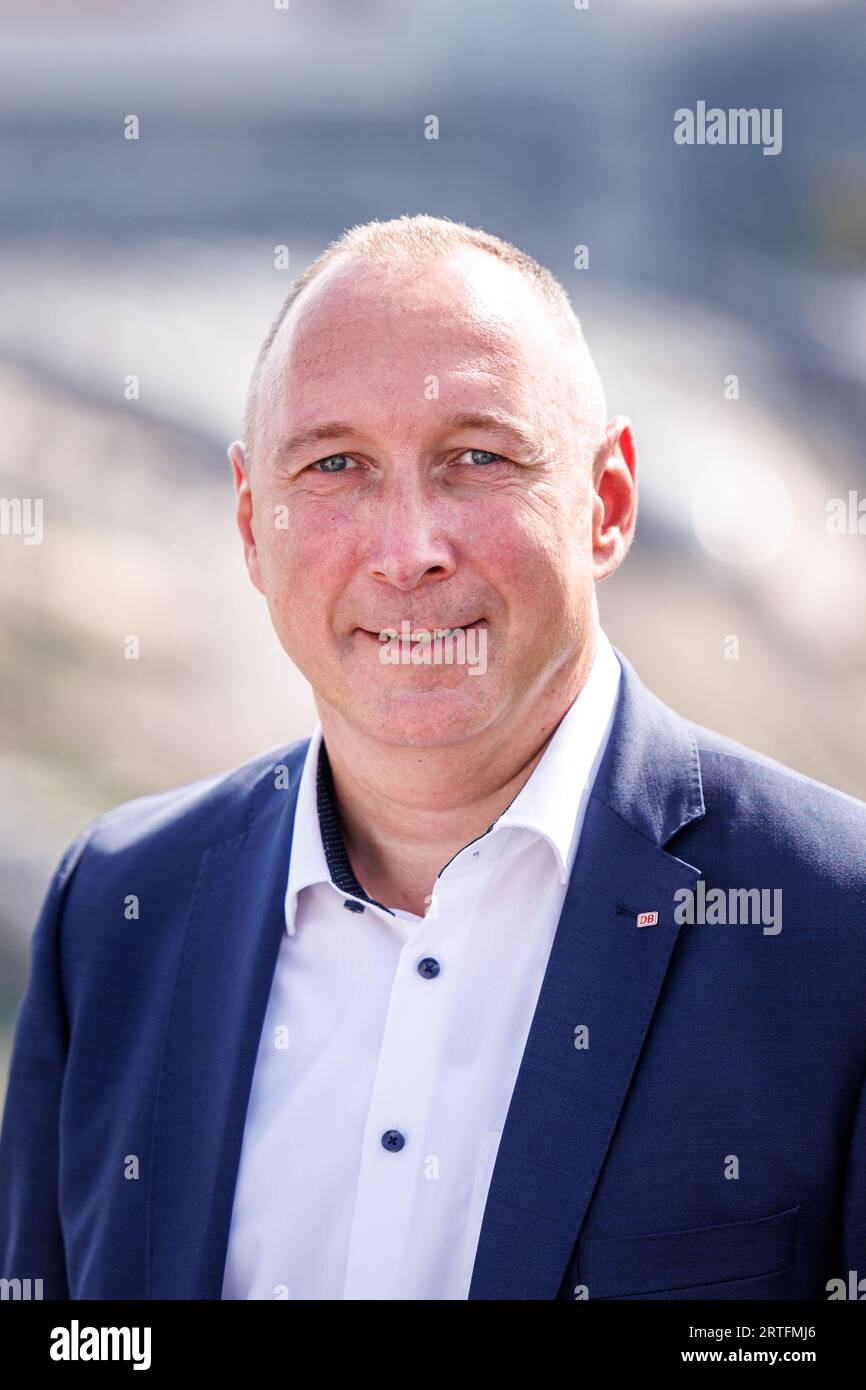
(485, 456)
(334, 463)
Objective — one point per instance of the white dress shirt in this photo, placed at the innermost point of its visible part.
(360, 1046)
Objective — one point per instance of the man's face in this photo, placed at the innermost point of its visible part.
(401, 508)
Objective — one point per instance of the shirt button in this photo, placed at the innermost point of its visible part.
(392, 1140)
(428, 967)
(353, 906)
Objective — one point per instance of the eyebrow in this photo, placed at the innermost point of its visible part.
(490, 422)
(497, 422)
(303, 439)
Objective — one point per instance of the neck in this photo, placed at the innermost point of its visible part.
(406, 811)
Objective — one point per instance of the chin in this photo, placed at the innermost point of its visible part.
(432, 718)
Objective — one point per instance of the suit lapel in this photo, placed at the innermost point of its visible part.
(221, 991)
(604, 975)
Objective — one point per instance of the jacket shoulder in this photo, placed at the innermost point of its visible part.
(763, 797)
(198, 814)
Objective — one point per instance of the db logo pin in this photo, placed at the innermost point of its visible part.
(647, 919)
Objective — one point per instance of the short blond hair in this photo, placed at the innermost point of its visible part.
(415, 239)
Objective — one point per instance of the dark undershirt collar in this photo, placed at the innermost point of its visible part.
(339, 864)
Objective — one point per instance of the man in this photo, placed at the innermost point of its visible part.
(433, 1005)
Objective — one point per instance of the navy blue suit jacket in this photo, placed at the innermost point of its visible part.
(709, 1142)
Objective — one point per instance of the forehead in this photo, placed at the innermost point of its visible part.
(378, 334)
(469, 290)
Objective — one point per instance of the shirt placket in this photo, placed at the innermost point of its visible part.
(392, 1182)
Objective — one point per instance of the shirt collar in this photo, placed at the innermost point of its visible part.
(315, 826)
(551, 802)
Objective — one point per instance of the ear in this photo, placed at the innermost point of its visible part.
(240, 469)
(614, 507)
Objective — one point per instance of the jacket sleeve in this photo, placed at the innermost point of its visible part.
(31, 1238)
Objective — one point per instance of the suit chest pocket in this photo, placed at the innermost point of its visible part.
(673, 1262)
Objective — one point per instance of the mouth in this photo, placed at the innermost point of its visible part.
(417, 633)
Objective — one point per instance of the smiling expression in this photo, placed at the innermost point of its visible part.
(424, 453)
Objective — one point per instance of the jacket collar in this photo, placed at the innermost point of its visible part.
(651, 775)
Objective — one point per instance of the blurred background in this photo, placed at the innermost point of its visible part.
(262, 127)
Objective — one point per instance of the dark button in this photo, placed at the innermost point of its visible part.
(353, 906)
(393, 1140)
(428, 967)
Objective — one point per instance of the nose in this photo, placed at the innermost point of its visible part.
(409, 546)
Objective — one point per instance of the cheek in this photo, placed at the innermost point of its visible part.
(306, 558)
(538, 554)
(305, 547)
(533, 543)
